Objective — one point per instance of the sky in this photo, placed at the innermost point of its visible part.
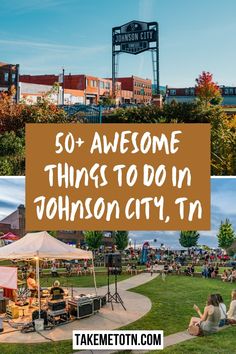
(45, 35)
(223, 205)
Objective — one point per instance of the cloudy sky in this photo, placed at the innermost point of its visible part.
(44, 35)
(223, 205)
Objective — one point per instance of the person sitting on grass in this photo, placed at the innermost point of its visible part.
(209, 320)
(54, 271)
(166, 268)
(216, 269)
(231, 314)
(232, 275)
(224, 276)
(134, 269)
(79, 270)
(189, 270)
(128, 269)
(222, 307)
(210, 271)
(205, 270)
(178, 268)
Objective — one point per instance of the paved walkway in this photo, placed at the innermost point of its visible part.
(137, 306)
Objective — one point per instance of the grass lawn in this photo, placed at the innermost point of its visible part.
(62, 347)
(220, 343)
(172, 308)
(172, 301)
(82, 281)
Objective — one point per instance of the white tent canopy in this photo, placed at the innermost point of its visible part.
(42, 245)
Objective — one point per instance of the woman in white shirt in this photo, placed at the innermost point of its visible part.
(223, 310)
(231, 314)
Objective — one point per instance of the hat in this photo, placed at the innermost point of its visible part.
(56, 283)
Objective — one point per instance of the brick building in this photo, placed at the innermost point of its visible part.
(188, 95)
(15, 222)
(9, 76)
(141, 88)
(92, 87)
(128, 89)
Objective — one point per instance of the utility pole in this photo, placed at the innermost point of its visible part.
(17, 81)
(63, 86)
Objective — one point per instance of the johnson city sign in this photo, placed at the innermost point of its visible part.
(134, 37)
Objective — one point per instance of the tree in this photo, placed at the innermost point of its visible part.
(226, 234)
(93, 239)
(207, 90)
(121, 239)
(53, 233)
(189, 238)
(12, 147)
(13, 117)
(107, 101)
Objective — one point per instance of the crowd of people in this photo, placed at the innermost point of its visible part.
(215, 315)
(229, 275)
(58, 268)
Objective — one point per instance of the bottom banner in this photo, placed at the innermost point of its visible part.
(116, 340)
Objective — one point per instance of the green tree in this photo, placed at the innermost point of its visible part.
(121, 239)
(12, 147)
(53, 233)
(226, 234)
(189, 238)
(93, 239)
(107, 101)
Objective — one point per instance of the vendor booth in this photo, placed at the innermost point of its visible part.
(40, 246)
(9, 237)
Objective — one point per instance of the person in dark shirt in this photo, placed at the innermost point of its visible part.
(56, 291)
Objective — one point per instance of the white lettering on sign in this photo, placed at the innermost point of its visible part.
(135, 36)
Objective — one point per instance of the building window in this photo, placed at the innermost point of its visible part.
(13, 77)
(172, 92)
(6, 77)
(93, 83)
(231, 91)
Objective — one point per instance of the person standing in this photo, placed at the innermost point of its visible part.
(32, 286)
